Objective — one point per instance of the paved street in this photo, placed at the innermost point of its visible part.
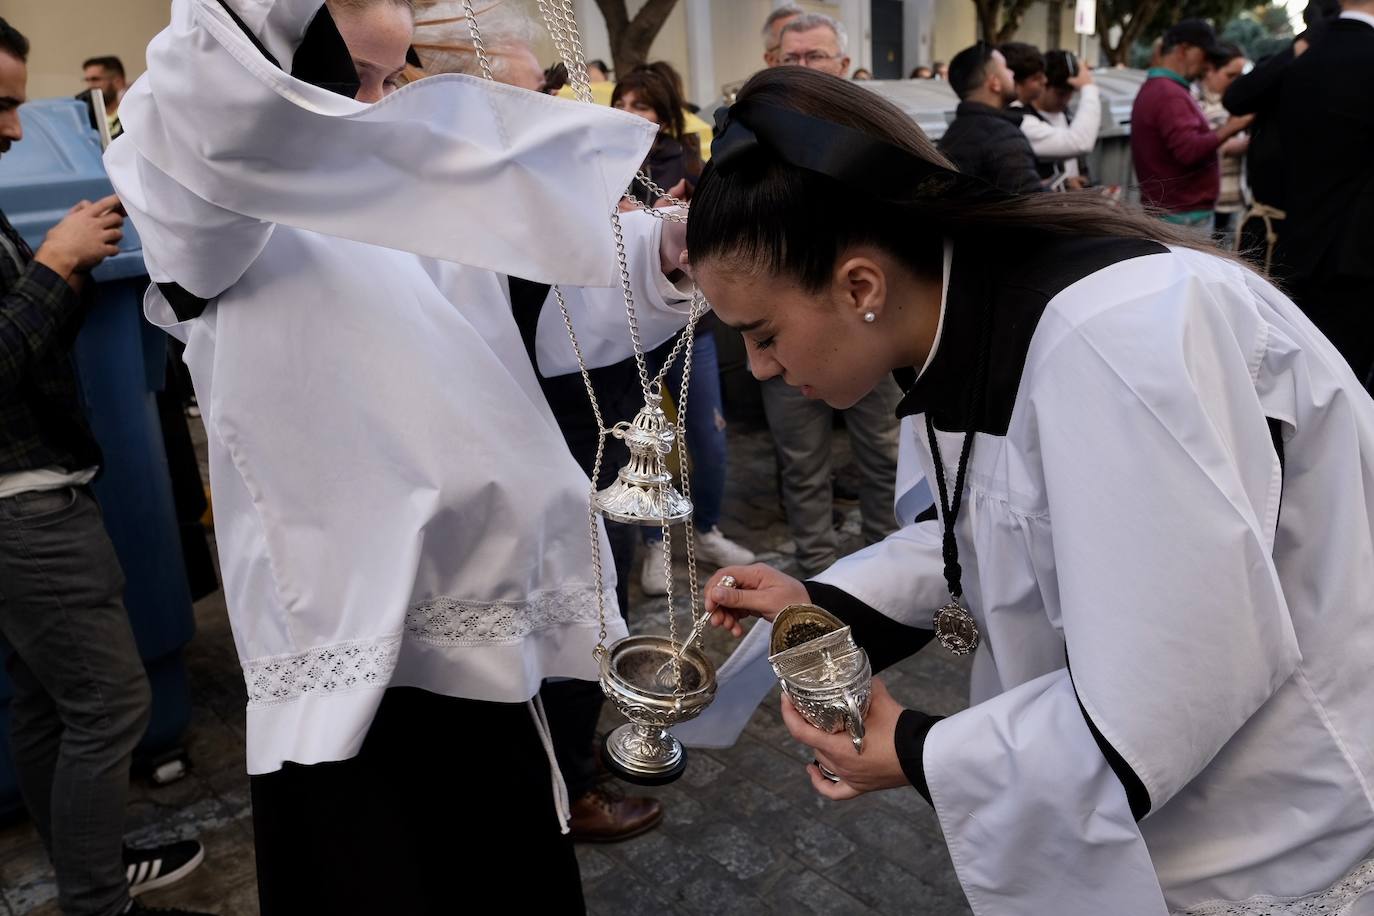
(744, 833)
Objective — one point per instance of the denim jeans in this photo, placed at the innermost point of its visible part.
(80, 693)
(705, 432)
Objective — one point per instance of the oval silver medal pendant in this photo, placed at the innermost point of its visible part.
(956, 629)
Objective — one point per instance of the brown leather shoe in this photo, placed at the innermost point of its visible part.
(605, 815)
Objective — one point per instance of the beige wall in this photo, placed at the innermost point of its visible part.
(738, 49)
(1035, 27)
(66, 32)
(956, 27)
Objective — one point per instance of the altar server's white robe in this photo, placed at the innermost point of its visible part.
(394, 502)
(1141, 563)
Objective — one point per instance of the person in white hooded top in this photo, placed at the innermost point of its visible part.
(1053, 140)
(402, 531)
(1155, 521)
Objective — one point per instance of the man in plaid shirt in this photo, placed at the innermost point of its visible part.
(80, 694)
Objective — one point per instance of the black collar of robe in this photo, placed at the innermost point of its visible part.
(1021, 272)
(323, 60)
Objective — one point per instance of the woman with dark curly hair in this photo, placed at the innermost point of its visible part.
(675, 160)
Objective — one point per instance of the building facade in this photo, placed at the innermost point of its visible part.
(712, 42)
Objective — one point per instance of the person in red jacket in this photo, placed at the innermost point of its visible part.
(1172, 143)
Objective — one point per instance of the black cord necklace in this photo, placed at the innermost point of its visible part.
(954, 625)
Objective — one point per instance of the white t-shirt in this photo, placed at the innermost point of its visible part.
(53, 478)
(1061, 119)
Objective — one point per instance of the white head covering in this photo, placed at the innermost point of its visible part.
(240, 134)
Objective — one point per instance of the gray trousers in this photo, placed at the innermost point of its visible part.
(80, 693)
(801, 430)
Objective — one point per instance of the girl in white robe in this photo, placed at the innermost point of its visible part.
(1155, 498)
(403, 534)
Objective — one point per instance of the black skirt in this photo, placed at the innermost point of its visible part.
(448, 808)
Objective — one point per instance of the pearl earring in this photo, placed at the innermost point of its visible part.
(870, 317)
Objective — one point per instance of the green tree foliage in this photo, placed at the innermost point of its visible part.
(1259, 33)
(1274, 19)
(1258, 28)
(1245, 32)
(1142, 21)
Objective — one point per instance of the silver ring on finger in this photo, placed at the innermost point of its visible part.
(728, 582)
(827, 773)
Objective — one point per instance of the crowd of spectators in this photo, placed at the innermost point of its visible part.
(1261, 155)
(1014, 126)
(1268, 159)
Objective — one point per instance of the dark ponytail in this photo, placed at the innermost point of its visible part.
(760, 213)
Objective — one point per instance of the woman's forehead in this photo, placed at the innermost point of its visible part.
(720, 284)
(742, 297)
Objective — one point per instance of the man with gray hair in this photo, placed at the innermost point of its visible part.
(817, 41)
(444, 43)
(772, 32)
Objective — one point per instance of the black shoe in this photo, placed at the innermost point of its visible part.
(138, 909)
(159, 866)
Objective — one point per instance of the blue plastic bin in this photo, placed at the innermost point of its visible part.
(121, 364)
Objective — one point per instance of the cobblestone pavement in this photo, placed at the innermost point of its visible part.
(743, 832)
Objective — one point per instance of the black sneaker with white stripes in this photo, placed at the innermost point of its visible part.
(159, 866)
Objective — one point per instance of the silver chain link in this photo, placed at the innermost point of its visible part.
(698, 309)
(658, 193)
(688, 336)
(561, 22)
(562, 42)
(628, 290)
(482, 62)
(593, 530)
(579, 65)
(673, 354)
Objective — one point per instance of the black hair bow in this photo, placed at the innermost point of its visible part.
(850, 156)
(732, 137)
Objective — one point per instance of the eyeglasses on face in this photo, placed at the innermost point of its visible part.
(809, 59)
